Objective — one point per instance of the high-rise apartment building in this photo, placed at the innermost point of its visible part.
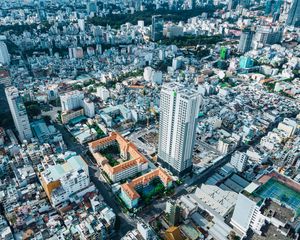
(157, 28)
(4, 55)
(245, 41)
(179, 108)
(18, 113)
(294, 14)
(71, 100)
(273, 6)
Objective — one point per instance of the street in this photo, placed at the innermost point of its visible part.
(125, 223)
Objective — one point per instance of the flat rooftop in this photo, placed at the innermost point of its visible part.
(273, 209)
(281, 190)
(270, 232)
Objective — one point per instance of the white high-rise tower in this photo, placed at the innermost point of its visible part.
(4, 55)
(18, 113)
(179, 108)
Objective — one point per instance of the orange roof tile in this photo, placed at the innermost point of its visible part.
(125, 146)
(129, 188)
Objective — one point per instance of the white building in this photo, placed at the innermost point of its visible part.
(215, 199)
(18, 112)
(4, 55)
(71, 100)
(179, 108)
(71, 182)
(239, 160)
(109, 216)
(146, 232)
(81, 25)
(288, 126)
(62, 182)
(89, 108)
(103, 93)
(247, 215)
(150, 75)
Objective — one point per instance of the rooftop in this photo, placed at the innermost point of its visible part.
(54, 173)
(125, 146)
(129, 188)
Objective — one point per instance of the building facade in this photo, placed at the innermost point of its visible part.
(71, 100)
(18, 112)
(179, 109)
(157, 28)
(245, 41)
(294, 14)
(4, 55)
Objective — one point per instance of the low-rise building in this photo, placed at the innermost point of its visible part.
(133, 162)
(61, 182)
(129, 192)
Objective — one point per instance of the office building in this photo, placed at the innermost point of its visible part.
(71, 100)
(273, 7)
(246, 62)
(157, 28)
(173, 211)
(267, 35)
(294, 14)
(179, 108)
(4, 55)
(245, 41)
(232, 4)
(103, 93)
(239, 160)
(89, 108)
(18, 112)
(62, 181)
(244, 3)
(247, 215)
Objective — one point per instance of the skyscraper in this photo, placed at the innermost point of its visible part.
(245, 3)
(294, 14)
(232, 4)
(4, 55)
(245, 41)
(18, 113)
(157, 28)
(273, 6)
(179, 108)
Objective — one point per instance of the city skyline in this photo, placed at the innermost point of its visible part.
(149, 119)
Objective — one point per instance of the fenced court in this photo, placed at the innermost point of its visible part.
(276, 190)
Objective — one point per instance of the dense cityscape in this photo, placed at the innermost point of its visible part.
(150, 119)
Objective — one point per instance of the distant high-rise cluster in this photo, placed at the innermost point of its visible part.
(179, 108)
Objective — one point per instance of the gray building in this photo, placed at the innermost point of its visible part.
(18, 112)
(157, 28)
(245, 41)
(294, 14)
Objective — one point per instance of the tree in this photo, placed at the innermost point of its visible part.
(32, 109)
